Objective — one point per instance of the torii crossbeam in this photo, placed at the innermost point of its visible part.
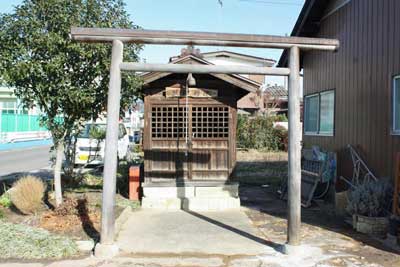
(119, 36)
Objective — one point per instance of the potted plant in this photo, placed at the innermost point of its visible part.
(369, 203)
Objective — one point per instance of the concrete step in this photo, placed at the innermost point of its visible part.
(193, 203)
(231, 190)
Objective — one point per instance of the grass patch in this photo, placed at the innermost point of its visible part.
(23, 242)
(123, 202)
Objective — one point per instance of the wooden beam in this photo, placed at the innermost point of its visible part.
(200, 38)
(203, 69)
(111, 147)
(294, 177)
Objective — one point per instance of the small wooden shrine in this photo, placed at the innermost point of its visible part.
(190, 125)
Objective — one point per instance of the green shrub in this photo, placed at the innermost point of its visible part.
(5, 200)
(280, 117)
(283, 137)
(259, 133)
(90, 179)
(27, 194)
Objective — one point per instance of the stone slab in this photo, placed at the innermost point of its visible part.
(175, 232)
(106, 251)
(85, 245)
(193, 204)
(217, 191)
(170, 261)
(125, 214)
(211, 204)
(168, 192)
(162, 203)
(191, 191)
(196, 198)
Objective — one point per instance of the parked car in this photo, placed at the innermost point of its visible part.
(90, 144)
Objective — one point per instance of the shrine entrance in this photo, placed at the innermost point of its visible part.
(120, 36)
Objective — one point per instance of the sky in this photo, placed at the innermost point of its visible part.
(272, 17)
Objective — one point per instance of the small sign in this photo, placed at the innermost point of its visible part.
(193, 92)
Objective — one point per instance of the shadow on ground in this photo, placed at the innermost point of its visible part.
(87, 223)
(262, 241)
(264, 200)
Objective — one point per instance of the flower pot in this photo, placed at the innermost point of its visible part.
(376, 226)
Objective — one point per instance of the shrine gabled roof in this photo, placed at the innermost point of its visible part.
(235, 79)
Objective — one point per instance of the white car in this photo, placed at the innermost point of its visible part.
(91, 151)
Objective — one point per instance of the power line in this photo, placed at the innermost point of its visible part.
(291, 3)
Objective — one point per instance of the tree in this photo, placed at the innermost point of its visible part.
(68, 81)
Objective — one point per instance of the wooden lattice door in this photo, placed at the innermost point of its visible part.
(210, 142)
(192, 149)
(168, 149)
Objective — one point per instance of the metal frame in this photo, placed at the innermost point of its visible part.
(361, 172)
(120, 36)
(393, 102)
(306, 107)
(318, 132)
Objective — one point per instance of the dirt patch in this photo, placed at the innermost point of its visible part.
(253, 155)
(78, 218)
(320, 228)
(75, 218)
(260, 167)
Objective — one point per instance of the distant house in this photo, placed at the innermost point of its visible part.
(16, 122)
(233, 58)
(276, 99)
(352, 96)
(272, 100)
(10, 104)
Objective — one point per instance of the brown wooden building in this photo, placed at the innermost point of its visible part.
(352, 96)
(193, 141)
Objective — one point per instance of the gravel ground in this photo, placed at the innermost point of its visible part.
(339, 245)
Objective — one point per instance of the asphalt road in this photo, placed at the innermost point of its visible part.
(17, 161)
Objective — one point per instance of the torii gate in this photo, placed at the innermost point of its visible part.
(120, 36)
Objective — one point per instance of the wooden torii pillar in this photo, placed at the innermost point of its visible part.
(119, 36)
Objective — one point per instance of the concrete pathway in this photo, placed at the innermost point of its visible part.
(208, 239)
(205, 233)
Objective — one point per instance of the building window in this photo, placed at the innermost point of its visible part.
(319, 113)
(396, 105)
(311, 114)
(8, 107)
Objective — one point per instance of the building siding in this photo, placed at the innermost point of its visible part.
(361, 73)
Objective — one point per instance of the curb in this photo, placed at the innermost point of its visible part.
(122, 218)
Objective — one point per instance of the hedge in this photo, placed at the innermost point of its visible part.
(258, 133)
